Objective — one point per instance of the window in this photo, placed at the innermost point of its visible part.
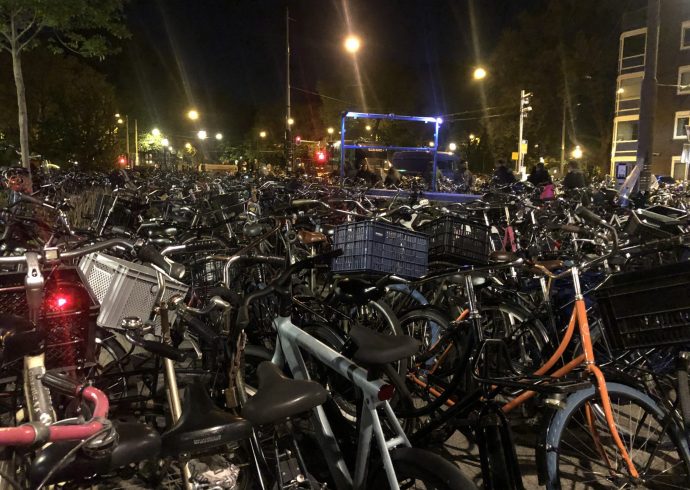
(633, 45)
(678, 169)
(626, 130)
(684, 80)
(685, 35)
(629, 88)
(682, 120)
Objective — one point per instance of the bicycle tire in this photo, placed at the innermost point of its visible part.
(563, 428)
(430, 469)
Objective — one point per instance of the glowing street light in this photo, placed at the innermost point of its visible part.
(188, 146)
(577, 153)
(202, 135)
(472, 136)
(156, 132)
(165, 142)
(330, 130)
(452, 147)
(219, 136)
(368, 128)
(352, 44)
(479, 73)
(120, 120)
(262, 134)
(290, 121)
(193, 114)
(117, 115)
(431, 144)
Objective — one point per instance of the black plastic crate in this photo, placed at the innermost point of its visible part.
(68, 314)
(380, 248)
(458, 240)
(648, 308)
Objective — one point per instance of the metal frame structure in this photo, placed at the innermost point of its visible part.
(437, 121)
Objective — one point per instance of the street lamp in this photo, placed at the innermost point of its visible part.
(156, 132)
(431, 144)
(262, 134)
(368, 128)
(472, 136)
(352, 44)
(120, 120)
(452, 147)
(479, 73)
(193, 114)
(202, 135)
(219, 136)
(577, 153)
(330, 130)
(290, 121)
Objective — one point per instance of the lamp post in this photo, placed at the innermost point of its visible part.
(165, 144)
(479, 73)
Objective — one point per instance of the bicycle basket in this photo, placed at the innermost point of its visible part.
(459, 240)
(648, 308)
(124, 288)
(380, 248)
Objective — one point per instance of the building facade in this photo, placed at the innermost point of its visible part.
(673, 91)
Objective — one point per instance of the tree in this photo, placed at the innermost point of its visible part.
(565, 54)
(78, 26)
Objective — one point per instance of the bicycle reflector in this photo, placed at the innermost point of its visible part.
(386, 392)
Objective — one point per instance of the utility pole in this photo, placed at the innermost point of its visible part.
(565, 108)
(288, 116)
(129, 156)
(136, 144)
(525, 108)
(645, 143)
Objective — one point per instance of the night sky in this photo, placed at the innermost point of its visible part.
(227, 57)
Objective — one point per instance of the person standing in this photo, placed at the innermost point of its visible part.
(464, 177)
(539, 176)
(502, 174)
(575, 178)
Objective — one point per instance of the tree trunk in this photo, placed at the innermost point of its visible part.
(21, 107)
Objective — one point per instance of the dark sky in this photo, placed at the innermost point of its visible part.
(227, 57)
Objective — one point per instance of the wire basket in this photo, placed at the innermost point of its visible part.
(68, 314)
(125, 289)
(380, 248)
(457, 240)
(648, 308)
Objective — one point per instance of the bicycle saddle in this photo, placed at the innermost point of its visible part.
(374, 348)
(309, 237)
(203, 425)
(355, 291)
(502, 257)
(19, 337)
(280, 397)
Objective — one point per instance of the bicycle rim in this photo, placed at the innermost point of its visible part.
(582, 453)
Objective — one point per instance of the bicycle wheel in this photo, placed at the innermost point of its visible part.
(582, 454)
(417, 468)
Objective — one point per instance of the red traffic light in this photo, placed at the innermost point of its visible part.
(298, 140)
(122, 160)
(321, 156)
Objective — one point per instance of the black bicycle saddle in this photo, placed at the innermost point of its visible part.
(353, 291)
(374, 348)
(280, 397)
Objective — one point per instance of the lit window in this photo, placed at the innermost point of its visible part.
(684, 79)
(629, 88)
(627, 130)
(685, 35)
(682, 120)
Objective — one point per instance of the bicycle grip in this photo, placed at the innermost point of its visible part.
(120, 230)
(589, 215)
(149, 254)
(243, 316)
(202, 245)
(303, 202)
(199, 327)
(570, 228)
(161, 349)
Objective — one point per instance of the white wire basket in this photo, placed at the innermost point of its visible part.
(125, 289)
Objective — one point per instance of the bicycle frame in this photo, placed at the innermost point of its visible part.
(375, 395)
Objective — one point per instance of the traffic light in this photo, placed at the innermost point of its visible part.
(298, 140)
(321, 156)
(525, 106)
(122, 160)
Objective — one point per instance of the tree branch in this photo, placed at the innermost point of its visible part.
(33, 35)
(27, 28)
(65, 45)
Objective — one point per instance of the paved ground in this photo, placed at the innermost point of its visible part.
(459, 450)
